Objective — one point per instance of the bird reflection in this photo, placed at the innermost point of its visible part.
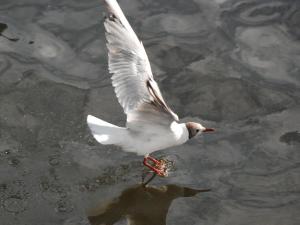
(140, 205)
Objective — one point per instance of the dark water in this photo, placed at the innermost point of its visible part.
(234, 65)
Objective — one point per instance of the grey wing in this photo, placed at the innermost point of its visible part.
(132, 76)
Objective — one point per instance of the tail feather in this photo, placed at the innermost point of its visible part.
(104, 132)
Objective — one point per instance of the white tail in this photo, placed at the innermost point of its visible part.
(104, 132)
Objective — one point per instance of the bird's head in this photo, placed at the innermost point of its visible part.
(196, 128)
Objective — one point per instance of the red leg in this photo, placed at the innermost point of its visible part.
(158, 167)
(153, 159)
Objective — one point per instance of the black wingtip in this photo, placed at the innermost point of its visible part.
(112, 17)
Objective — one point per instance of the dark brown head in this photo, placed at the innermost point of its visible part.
(196, 128)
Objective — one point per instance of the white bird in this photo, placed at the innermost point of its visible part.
(151, 124)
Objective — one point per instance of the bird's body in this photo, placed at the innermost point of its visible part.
(151, 124)
(143, 138)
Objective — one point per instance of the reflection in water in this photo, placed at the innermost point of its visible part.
(140, 205)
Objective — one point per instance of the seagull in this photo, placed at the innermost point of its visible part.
(151, 124)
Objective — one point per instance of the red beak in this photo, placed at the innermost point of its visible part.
(208, 130)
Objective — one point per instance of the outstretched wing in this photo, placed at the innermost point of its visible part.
(132, 77)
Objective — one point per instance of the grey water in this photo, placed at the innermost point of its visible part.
(232, 64)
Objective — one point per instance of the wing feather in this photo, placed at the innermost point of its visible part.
(132, 78)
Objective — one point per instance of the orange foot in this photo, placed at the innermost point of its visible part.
(158, 166)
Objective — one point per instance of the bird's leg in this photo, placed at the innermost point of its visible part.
(144, 175)
(157, 166)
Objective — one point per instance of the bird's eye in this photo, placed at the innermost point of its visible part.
(197, 130)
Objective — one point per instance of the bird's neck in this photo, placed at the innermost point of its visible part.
(180, 131)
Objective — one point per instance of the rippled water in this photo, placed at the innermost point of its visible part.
(232, 64)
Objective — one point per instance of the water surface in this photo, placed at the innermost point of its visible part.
(231, 64)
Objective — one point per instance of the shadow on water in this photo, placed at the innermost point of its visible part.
(140, 205)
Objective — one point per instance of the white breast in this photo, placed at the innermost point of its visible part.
(180, 132)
